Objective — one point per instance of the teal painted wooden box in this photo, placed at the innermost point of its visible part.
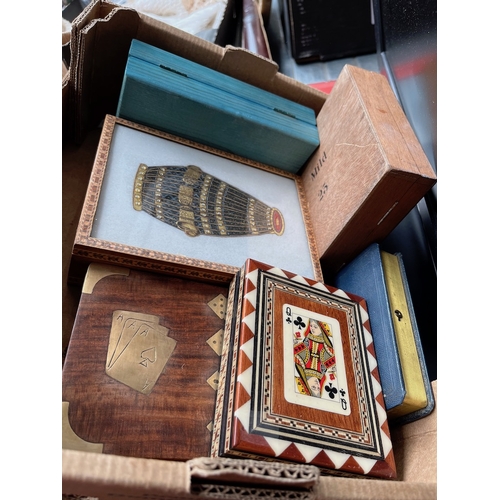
(178, 96)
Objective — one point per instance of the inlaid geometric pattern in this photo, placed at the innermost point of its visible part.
(218, 306)
(258, 417)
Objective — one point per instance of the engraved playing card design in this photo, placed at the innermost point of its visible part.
(315, 374)
(138, 350)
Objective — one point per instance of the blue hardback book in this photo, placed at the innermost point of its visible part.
(178, 96)
(365, 276)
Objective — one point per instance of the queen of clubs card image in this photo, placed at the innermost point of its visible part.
(314, 357)
(315, 372)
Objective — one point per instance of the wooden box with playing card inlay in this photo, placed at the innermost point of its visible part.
(299, 379)
(141, 370)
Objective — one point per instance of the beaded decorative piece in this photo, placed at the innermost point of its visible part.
(201, 204)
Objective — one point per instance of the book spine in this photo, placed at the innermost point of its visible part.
(416, 397)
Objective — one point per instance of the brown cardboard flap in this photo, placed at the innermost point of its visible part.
(111, 476)
(415, 447)
(247, 66)
(340, 488)
(178, 42)
(90, 13)
(100, 41)
(245, 472)
(98, 58)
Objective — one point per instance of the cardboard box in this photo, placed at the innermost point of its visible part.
(90, 90)
(111, 476)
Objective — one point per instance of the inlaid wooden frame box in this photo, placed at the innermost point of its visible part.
(299, 377)
(166, 204)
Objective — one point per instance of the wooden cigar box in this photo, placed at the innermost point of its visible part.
(141, 370)
(369, 171)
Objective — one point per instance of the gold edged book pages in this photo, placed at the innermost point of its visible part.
(141, 370)
(299, 380)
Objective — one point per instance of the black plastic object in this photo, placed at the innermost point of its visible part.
(321, 30)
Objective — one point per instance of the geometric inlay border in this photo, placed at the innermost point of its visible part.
(248, 426)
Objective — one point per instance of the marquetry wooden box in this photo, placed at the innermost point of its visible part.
(299, 377)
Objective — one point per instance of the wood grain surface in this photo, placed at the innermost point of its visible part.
(171, 422)
(369, 170)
